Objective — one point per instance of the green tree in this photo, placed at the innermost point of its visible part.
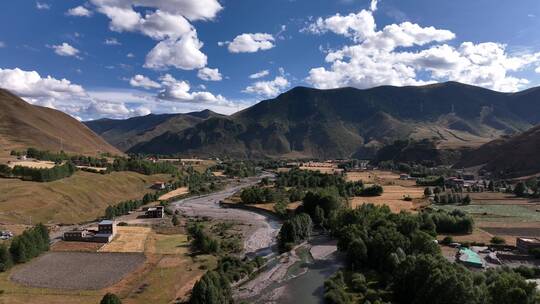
(5, 258)
(520, 189)
(175, 220)
(110, 298)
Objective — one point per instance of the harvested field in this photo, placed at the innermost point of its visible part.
(128, 239)
(393, 197)
(326, 170)
(497, 198)
(478, 236)
(513, 231)
(63, 246)
(92, 168)
(77, 270)
(37, 164)
(379, 177)
(174, 193)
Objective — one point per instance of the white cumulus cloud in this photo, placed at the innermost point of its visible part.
(184, 53)
(79, 11)
(179, 45)
(143, 82)
(209, 74)
(260, 74)
(250, 43)
(269, 88)
(65, 49)
(179, 90)
(383, 57)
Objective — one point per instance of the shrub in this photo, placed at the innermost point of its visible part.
(497, 240)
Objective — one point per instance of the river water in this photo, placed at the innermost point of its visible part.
(301, 280)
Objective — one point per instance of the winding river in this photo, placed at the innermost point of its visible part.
(295, 277)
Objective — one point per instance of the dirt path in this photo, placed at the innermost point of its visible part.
(261, 230)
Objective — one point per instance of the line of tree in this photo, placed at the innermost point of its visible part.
(451, 198)
(143, 166)
(39, 174)
(31, 243)
(307, 179)
(455, 221)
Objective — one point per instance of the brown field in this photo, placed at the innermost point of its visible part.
(92, 168)
(128, 239)
(81, 197)
(77, 270)
(393, 197)
(478, 235)
(37, 164)
(174, 193)
(497, 198)
(379, 177)
(63, 246)
(218, 173)
(327, 170)
(270, 206)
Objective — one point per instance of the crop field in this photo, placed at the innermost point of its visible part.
(37, 164)
(497, 198)
(128, 239)
(77, 270)
(393, 197)
(81, 197)
(379, 177)
(497, 213)
(174, 193)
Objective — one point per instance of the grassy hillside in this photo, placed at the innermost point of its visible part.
(514, 156)
(23, 125)
(340, 123)
(82, 197)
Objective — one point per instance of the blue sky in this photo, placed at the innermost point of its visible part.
(121, 58)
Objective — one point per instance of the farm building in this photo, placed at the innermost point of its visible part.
(104, 234)
(525, 245)
(158, 186)
(155, 212)
(470, 258)
(77, 235)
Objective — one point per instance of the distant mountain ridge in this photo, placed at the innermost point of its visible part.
(23, 125)
(511, 156)
(126, 133)
(345, 122)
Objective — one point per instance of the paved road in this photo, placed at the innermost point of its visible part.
(264, 231)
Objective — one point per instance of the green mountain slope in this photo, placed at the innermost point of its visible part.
(124, 134)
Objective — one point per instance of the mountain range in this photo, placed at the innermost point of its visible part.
(337, 123)
(23, 125)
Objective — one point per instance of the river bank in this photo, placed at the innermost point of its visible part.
(294, 277)
(260, 230)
